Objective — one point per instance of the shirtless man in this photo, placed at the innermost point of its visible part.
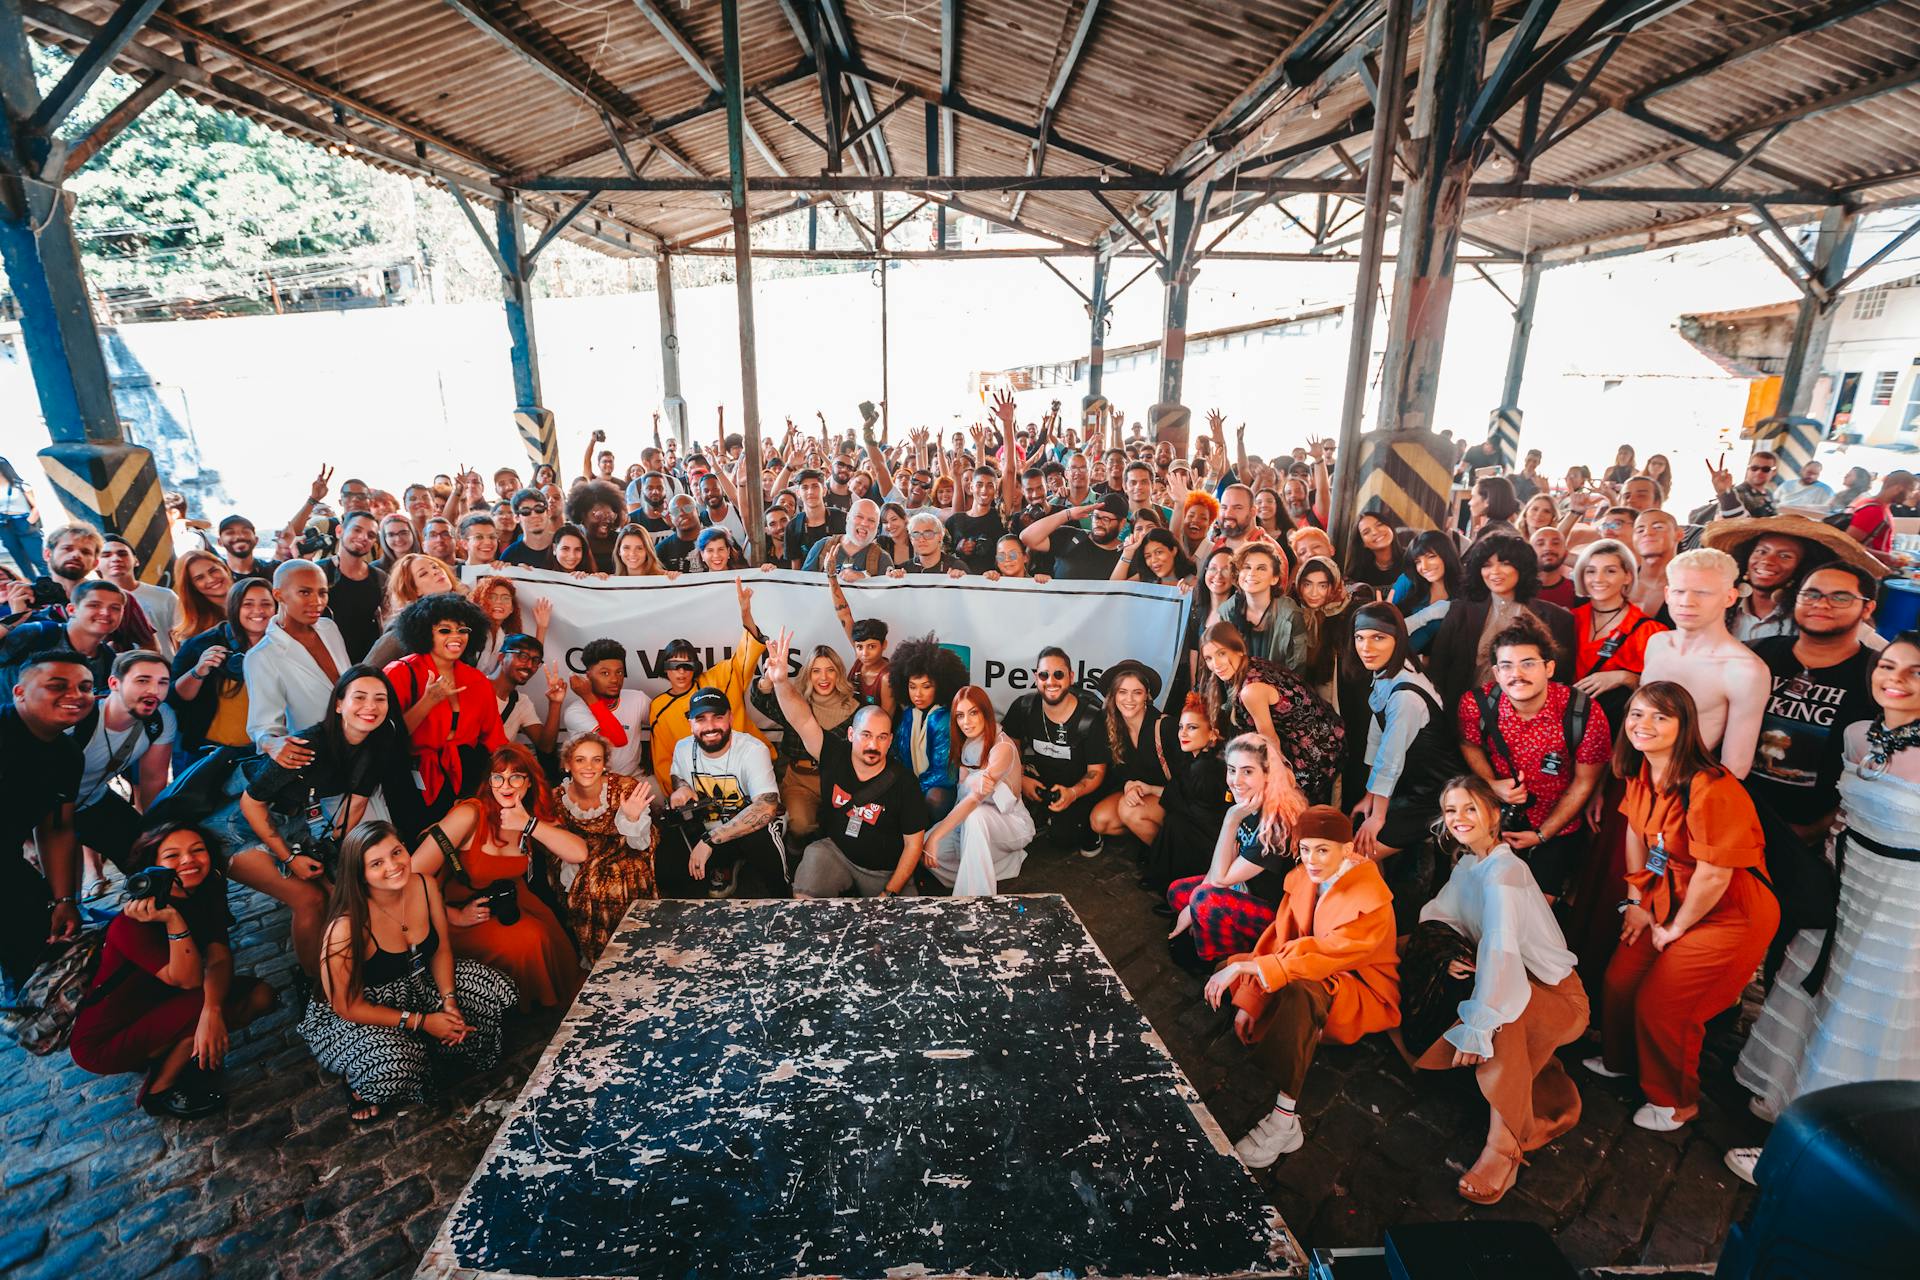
(1656, 536)
(1729, 683)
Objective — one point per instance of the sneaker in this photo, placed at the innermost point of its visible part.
(1598, 1065)
(1277, 1134)
(1741, 1161)
(1658, 1119)
(720, 882)
(180, 1104)
(1092, 850)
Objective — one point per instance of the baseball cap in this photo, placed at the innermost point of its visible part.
(708, 700)
(1115, 505)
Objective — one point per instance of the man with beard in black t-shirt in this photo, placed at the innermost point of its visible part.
(1063, 747)
(1820, 686)
(357, 590)
(1078, 554)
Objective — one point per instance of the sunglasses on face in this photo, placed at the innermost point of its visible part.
(682, 666)
(531, 509)
(1049, 676)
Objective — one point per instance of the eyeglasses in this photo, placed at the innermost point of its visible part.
(1528, 665)
(1049, 676)
(682, 666)
(1762, 468)
(1838, 599)
(531, 509)
(515, 779)
(923, 533)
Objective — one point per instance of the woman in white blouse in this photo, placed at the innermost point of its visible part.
(1487, 982)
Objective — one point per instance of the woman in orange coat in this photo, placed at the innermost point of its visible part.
(1698, 915)
(481, 851)
(1325, 967)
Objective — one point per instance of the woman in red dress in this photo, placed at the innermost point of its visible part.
(166, 996)
(451, 712)
(487, 842)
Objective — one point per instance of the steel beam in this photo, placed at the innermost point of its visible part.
(1037, 152)
(1435, 206)
(671, 401)
(93, 62)
(1387, 117)
(114, 123)
(680, 44)
(949, 72)
(751, 489)
(1814, 316)
(1177, 271)
(1522, 335)
(516, 286)
(1097, 311)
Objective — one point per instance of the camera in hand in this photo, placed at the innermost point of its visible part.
(503, 899)
(235, 664)
(700, 810)
(151, 884)
(1513, 817)
(320, 538)
(47, 592)
(1049, 795)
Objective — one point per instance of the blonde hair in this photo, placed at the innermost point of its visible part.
(649, 559)
(73, 533)
(1606, 547)
(585, 738)
(1706, 560)
(401, 590)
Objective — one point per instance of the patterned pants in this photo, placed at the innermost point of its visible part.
(384, 1064)
(1227, 920)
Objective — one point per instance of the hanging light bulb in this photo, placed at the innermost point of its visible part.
(1316, 108)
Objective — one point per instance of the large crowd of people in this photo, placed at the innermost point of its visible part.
(1575, 766)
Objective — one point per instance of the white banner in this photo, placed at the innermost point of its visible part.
(998, 628)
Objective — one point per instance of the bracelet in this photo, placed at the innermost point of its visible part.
(446, 998)
(180, 937)
(405, 1015)
(66, 900)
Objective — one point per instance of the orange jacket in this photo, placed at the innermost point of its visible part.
(1344, 938)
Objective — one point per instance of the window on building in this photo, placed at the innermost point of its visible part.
(1869, 303)
(1911, 415)
(1883, 387)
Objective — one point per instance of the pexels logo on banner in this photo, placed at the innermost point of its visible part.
(653, 662)
(1020, 676)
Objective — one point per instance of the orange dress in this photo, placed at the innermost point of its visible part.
(1343, 937)
(535, 950)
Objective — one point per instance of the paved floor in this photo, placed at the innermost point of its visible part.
(284, 1186)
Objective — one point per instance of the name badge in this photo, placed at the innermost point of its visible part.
(853, 826)
(1551, 764)
(1051, 750)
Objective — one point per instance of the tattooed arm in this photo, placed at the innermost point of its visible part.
(749, 820)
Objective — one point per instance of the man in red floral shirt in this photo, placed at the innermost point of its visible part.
(1514, 733)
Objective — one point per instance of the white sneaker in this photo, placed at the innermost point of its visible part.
(1276, 1135)
(1741, 1160)
(1658, 1119)
(1762, 1111)
(1093, 850)
(1598, 1065)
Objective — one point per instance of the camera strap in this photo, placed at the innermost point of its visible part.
(451, 854)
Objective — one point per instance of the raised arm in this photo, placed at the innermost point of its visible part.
(316, 494)
(1322, 490)
(841, 609)
(877, 456)
(1039, 534)
(793, 705)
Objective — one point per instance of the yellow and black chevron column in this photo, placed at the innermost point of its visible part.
(114, 488)
(1506, 434)
(1410, 474)
(537, 433)
(1794, 441)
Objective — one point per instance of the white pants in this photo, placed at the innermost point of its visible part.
(989, 846)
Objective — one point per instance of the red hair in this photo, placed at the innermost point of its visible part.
(539, 798)
(974, 694)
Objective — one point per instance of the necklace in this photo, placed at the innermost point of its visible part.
(1884, 743)
(405, 936)
(1595, 627)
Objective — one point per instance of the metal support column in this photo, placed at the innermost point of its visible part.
(1097, 310)
(880, 246)
(101, 479)
(1808, 348)
(1432, 209)
(530, 415)
(1387, 116)
(672, 403)
(1169, 419)
(1506, 419)
(750, 479)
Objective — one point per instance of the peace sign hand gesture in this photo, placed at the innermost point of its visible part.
(1721, 477)
(317, 491)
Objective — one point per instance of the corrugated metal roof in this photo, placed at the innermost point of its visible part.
(486, 92)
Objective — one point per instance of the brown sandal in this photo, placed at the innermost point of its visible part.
(1471, 1192)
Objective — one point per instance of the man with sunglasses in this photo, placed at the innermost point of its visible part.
(1063, 749)
(533, 547)
(1820, 685)
(1751, 497)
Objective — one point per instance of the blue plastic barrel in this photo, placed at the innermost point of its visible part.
(1899, 607)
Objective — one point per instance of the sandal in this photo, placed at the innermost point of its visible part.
(357, 1104)
(1473, 1191)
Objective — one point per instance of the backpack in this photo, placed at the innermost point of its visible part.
(50, 1000)
(831, 549)
(1573, 723)
(1843, 521)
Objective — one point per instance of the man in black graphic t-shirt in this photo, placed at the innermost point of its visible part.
(1063, 742)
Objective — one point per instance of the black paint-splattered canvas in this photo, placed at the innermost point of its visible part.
(859, 1088)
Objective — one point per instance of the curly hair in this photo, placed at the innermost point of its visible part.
(486, 586)
(1207, 503)
(1509, 550)
(416, 622)
(924, 656)
(594, 493)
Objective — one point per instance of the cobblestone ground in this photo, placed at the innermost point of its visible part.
(285, 1186)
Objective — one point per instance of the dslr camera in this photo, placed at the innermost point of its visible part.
(1049, 795)
(151, 884)
(698, 811)
(320, 538)
(503, 900)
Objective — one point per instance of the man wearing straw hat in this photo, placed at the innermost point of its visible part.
(1775, 554)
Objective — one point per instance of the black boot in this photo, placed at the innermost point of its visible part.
(1186, 957)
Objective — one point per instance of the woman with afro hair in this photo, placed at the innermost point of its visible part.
(451, 713)
(924, 677)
